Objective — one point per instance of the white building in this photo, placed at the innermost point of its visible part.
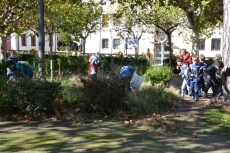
(27, 41)
(108, 42)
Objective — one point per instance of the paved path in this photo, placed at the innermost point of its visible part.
(192, 131)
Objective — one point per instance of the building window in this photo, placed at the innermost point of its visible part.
(33, 40)
(215, 44)
(116, 43)
(23, 38)
(105, 43)
(202, 44)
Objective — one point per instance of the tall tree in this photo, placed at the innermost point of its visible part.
(11, 11)
(82, 19)
(163, 16)
(128, 23)
(226, 49)
(203, 17)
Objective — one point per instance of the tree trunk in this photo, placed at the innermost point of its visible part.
(195, 43)
(170, 47)
(226, 50)
(51, 45)
(41, 40)
(3, 48)
(83, 45)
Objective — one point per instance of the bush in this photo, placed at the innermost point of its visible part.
(159, 75)
(150, 99)
(74, 64)
(104, 97)
(35, 98)
(2, 68)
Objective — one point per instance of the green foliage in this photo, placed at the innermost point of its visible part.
(127, 20)
(76, 64)
(148, 100)
(159, 75)
(36, 98)
(105, 96)
(2, 68)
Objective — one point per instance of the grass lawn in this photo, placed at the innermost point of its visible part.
(65, 137)
(219, 118)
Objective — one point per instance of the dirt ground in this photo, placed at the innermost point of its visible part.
(189, 132)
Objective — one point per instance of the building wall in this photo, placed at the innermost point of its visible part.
(16, 42)
(94, 43)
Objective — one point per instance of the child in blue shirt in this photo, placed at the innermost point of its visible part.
(184, 74)
(14, 58)
(202, 70)
(194, 72)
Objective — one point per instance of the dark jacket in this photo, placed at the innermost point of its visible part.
(211, 71)
(196, 70)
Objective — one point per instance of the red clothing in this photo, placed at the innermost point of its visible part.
(93, 66)
(186, 57)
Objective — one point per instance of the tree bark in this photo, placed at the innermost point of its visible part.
(3, 48)
(83, 45)
(195, 43)
(51, 45)
(226, 50)
(170, 47)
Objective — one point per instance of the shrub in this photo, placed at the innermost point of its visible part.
(159, 75)
(74, 64)
(2, 68)
(150, 99)
(103, 97)
(35, 98)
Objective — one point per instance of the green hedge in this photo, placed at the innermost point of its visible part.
(80, 63)
(35, 98)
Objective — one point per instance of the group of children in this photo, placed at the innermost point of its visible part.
(198, 77)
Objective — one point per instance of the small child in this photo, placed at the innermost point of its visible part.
(210, 77)
(219, 91)
(179, 64)
(202, 70)
(193, 73)
(19, 69)
(14, 58)
(184, 74)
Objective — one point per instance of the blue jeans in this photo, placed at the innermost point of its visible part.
(184, 88)
(195, 88)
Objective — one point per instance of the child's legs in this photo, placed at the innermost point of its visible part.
(191, 89)
(196, 90)
(183, 87)
(207, 83)
(202, 83)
